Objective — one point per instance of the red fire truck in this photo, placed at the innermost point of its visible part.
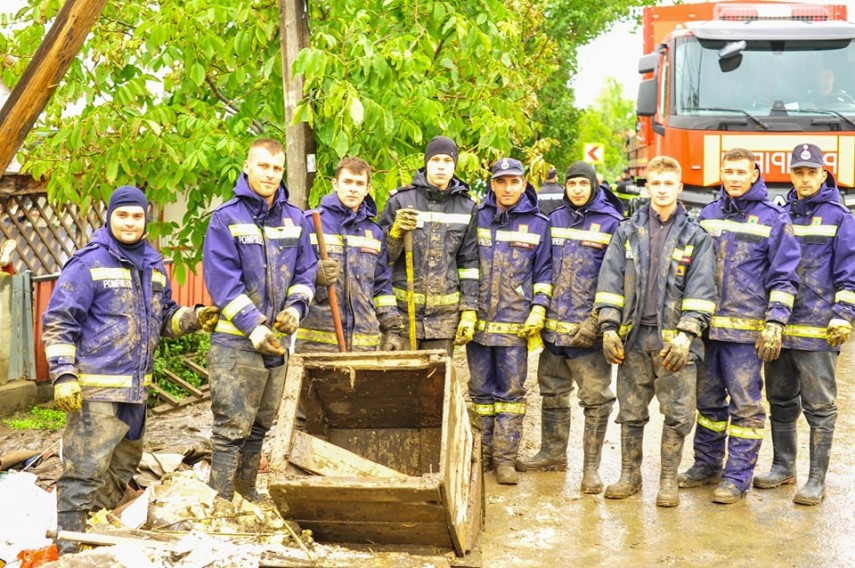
(761, 75)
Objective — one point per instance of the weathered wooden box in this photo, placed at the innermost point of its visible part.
(386, 455)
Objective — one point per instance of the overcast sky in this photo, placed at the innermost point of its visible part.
(615, 54)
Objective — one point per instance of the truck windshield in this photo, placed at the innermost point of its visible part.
(767, 78)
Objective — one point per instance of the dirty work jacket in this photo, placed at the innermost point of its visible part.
(258, 260)
(756, 259)
(825, 229)
(364, 286)
(445, 254)
(550, 197)
(579, 239)
(685, 293)
(516, 272)
(105, 318)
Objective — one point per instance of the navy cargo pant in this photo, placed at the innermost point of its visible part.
(560, 367)
(730, 370)
(496, 379)
(800, 380)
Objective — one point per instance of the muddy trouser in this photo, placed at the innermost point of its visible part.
(98, 462)
(641, 376)
(245, 399)
(496, 379)
(730, 369)
(446, 345)
(803, 380)
(556, 374)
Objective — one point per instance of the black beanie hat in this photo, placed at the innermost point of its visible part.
(441, 145)
(584, 170)
(126, 195)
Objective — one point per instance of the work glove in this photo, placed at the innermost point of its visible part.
(327, 272)
(66, 393)
(586, 333)
(287, 321)
(768, 345)
(534, 322)
(466, 327)
(612, 347)
(392, 340)
(675, 355)
(838, 332)
(405, 220)
(264, 341)
(207, 317)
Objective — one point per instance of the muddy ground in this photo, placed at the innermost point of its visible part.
(546, 521)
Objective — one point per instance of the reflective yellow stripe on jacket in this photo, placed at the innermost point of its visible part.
(580, 235)
(61, 350)
(498, 327)
(329, 338)
(738, 323)
(110, 381)
(440, 300)
(561, 326)
(718, 226)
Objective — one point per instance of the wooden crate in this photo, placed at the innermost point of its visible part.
(387, 454)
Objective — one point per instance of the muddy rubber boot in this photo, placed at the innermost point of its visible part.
(223, 467)
(672, 453)
(783, 470)
(70, 521)
(506, 474)
(487, 443)
(592, 444)
(246, 476)
(697, 476)
(813, 492)
(631, 438)
(507, 429)
(555, 431)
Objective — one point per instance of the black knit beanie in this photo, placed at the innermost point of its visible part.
(441, 145)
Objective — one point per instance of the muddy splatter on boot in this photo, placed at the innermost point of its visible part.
(223, 467)
(631, 439)
(813, 492)
(555, 431)
(246, 477)
(592, 444)
(783, 470)
(507, 429)
(672, 452)
(70, 521)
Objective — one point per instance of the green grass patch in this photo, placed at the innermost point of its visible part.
(38, 418)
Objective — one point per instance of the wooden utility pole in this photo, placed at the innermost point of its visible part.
(299, 139)
(43, 74)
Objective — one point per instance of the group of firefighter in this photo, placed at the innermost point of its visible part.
(688, 309)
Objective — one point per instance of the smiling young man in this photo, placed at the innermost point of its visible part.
(803, 376)
(260, 270)
(654, 298)
(357, 265)
(106, 315)
(437, 209)
(516, 284)
(756, 260)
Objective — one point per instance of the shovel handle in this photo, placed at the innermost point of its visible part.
(411, 287)
(336, 316)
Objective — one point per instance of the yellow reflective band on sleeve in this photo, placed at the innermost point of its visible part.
(279, 233)
(175, 322)
(235, 306)
(158, 277)
(483, 409)
(542, 288)
(385, 301)
(711, 424)
(695, 305)
(224, 326)
(468, 274)
(104, 273)
(561, 326)
(328, 239)
(737, 323)
(747, 433)
(845, 296)
(782, 297)
(580, 235)
(329, 338)
(244, 230)
(815, 230)
(498, 327)
(509, 407)
(517, 237)
(301, 289)
(716, 227)
(684, 254)
(805, 331)
(441, 300)
(609, 298)
(61, 350)
(439, 217)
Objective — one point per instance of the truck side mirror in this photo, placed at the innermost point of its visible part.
(648, 63)
(646, 104)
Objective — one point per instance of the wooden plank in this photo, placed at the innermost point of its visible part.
(435, 534)
(194, 366)
(369, 511)
(401, 449)
(172, 400)
(456, 463)
(164, 408)
(355, 489)
(183, 384)
(281, 445)
(382, 413)
(44, 72)
(323, 458)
